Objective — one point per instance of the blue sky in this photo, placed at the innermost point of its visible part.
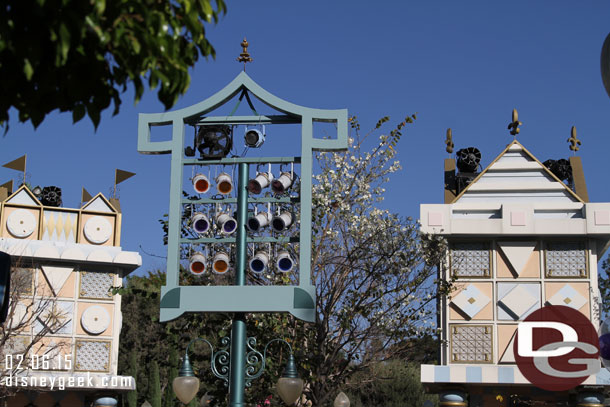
(463, 65)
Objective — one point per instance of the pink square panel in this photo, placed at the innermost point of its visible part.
(435, 219)
(602, 218)
(517, 218)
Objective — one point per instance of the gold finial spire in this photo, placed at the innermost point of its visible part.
(574, 141)
(244, 56)
(449, 142)
(514, 125)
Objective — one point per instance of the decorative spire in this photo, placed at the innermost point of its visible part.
(245, 55)
(514, 125)
(449, 142)
(574, 141)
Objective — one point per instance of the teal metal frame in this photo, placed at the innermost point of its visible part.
(299, 300)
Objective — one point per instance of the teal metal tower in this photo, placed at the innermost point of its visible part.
(241, 296)
(299, 299)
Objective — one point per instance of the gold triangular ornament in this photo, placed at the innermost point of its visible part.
(120, 176)
(18, 164)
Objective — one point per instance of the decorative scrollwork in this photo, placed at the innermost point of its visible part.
(255, 363)
(220, 360)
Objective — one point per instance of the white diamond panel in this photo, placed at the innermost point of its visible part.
(566, 259)
(471, 343)
(568, 297)
(518, 301)
(471, 301)
(470, 259)
(92, 356)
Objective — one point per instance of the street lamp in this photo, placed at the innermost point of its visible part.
(289, 385)
(341, 400)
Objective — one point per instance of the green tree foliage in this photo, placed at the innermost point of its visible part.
(153, 342)
(389, 384)
(132, 396)
(154, 385)
(174, 361)
(80, 55)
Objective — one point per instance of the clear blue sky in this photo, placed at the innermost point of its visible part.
(463, 65)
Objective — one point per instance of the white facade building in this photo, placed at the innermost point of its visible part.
(69, 260)
(519, 238)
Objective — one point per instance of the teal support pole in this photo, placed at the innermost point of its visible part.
(237, 381)
(242, 216)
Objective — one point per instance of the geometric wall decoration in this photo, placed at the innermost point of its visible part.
(56, 318)
(15, 345)
(566, 259)
(56, 276)
(92, 356)
(471, 343)
(509, 353)
(22, 280)
(569, 297)
(59, 226)
(470, 301)
(19, 318)
(516, 301)
(470, 259)
(96, 285)
(95, 320)
(56, 350)
(517, 253)
(21, 223)
(97, 230)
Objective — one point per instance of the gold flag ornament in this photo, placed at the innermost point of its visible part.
(18, 164)
(120, 176)
(86, 196)
(8, 189)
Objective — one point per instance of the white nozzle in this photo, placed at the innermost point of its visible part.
(254, 138)
(284, 262)
(282, 221)
(281, 184)
(201, 184)
(200, 223)
(220, 264)
(226, 223)
(224, 183)
(198, 264)
(260, 182)
(260, 220)
(258, 263)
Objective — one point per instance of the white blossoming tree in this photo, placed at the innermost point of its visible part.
(375, 274)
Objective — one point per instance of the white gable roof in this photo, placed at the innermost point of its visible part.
(516, 176)
(99, 204)
(23, 196)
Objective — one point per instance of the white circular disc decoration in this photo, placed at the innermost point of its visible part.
(21, 223)
(98, 230)
(95, 320)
